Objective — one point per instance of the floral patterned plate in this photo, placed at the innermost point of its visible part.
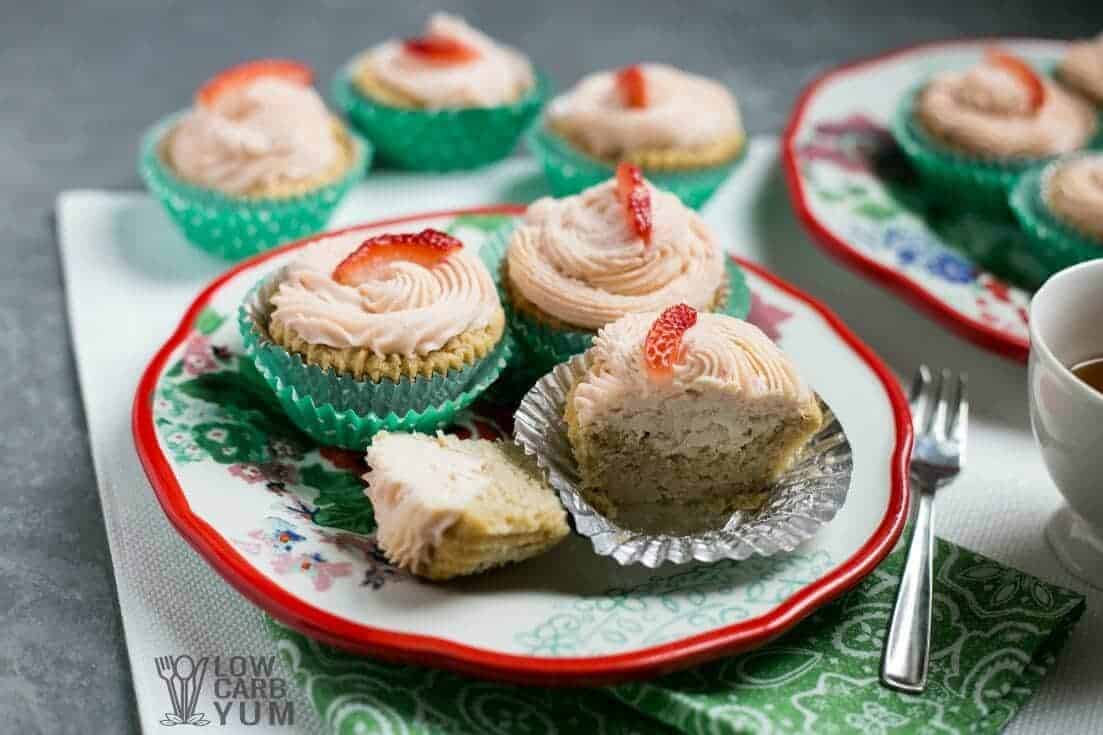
(287, 524)
(852, 188)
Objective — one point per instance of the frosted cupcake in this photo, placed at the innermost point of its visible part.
(621, 247)
(971, 133)
(398, 331)
(451, 99)
(684, 131)
(682, 409)
(1082, 69)
(258, 160)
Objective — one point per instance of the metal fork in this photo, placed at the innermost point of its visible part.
(940, 417)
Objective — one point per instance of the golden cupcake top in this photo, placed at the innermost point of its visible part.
(1082, 68)
(1073, 191)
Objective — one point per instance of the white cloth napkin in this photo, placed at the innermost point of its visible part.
(129, 277)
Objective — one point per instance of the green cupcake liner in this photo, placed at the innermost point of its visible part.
(955, 177)
(1054, 243)
(540, 346)
(569, 170)
(339, 410)
(237, 227)
(446, 139)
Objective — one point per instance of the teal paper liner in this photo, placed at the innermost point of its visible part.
(238, 227)
(443, 139)
(1054, 243)
(569, 170)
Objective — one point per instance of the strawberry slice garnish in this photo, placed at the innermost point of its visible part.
(440, 50)
(242, 74)
(632, 86)
(663, 348)
(426, 248)
(634, 195)
(1022, 71)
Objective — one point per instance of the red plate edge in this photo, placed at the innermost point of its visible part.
(441, 653)
(973, 330)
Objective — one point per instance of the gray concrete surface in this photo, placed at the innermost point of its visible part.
(78, 83)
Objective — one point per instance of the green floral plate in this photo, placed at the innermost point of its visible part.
(285, 521)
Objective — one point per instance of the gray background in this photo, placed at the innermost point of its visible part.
(77, 86)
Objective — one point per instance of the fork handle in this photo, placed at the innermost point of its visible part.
(908, 645)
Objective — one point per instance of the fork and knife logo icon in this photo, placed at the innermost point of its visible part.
(183, 677)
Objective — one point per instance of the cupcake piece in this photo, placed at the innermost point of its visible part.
(446, 506)
(972, 133)
(620, 247)
(257, 161)
(681, 408)
(451, 99)
(683, 130)
(1082, 69)
(396, 331)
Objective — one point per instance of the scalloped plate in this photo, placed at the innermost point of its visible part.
(853, 191)
(286, 523)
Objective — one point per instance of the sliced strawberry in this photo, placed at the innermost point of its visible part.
(632, 86)
(440, 50)
(426, 248)
(1021, 71)
(634, 195)
(242, 74)
(663, 348)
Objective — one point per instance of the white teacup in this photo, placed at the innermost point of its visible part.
(1066, 328)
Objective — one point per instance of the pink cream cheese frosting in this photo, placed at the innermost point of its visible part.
(579, 260)
(1082, 68)
(500, 74)
(402, 308)
(683, 110)
(267, 132)
(722, 354)
(986, 111)
(1073, 190)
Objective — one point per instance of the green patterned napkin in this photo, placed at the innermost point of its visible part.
(996, 631)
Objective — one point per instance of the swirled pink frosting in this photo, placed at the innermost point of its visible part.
(722, 355)
(498, 76)
(269, 131)
(1074, 192)
(403, 308)
(579, 260)
(683, 110)
(986, 111)
(1082, 67)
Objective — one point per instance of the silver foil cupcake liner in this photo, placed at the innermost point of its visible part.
(805, 498)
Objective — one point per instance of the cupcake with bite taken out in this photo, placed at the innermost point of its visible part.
(256, 161)
(972, 133)
(684, 131)
(397, 331)
(1082, 69)
(452, 98)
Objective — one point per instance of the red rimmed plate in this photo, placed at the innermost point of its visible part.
(286, 523)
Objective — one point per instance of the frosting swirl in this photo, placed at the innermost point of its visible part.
(578, 259)
(1082, 67)
(498, 76)
(1074, 192)
(683, 110)
(254, 137)
(402, 308)
(722, 355)
(986, 111)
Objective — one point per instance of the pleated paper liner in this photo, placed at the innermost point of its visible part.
(233, 227)
(805, 498)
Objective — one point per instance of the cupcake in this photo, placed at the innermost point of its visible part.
(971, 133)
(258, 160)
(1060, 207)
(1082, 69)
(398, 331)
(621, 247)
(451, 99)
(683, 130)
(447, 507)
(684, 409)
